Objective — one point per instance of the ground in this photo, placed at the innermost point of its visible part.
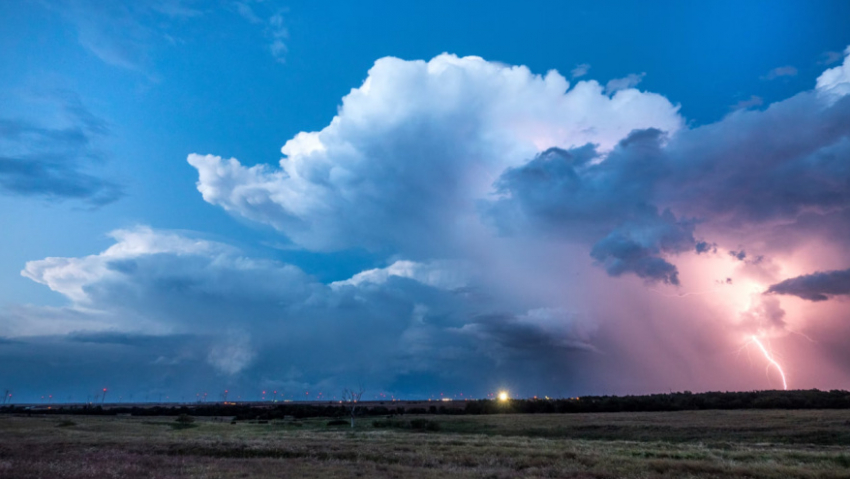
(694, 444)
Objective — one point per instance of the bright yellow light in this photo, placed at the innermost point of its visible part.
(503, 395)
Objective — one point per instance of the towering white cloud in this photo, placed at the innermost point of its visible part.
(412, 150)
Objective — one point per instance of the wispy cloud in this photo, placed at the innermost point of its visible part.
(828, 58)
(580, 70)
(124, 34)
(751, 102)
(53, 161)
(786, 71)
(271, 18)
(629, 81)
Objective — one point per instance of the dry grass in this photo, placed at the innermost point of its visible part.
(707, 444)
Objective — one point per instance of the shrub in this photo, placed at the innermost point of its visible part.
(382, 423)
(424, 425)
(185, 419)
(418, 424)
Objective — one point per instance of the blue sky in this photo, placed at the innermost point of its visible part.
(102, 103)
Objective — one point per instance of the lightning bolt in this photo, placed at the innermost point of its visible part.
(771, 360)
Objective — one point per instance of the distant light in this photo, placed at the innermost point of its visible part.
(503, 396)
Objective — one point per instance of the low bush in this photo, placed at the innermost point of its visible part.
(185, 419)
(418, 424)
(424, 425)
(382, 423)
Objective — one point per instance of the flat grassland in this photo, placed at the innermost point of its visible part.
(692, 444)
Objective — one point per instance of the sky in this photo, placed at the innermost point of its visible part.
(432, 199)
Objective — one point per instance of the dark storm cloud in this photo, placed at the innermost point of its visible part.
(739, 255)
(747, 171)
(636, 246)
(705, 247)
(620, 254)
(52, 162)
(562, 189)
(566, 193)
(759, 166)
(818, 286)
(536, 333)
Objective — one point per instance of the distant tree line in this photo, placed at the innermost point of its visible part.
(238, 411)
(683, 401)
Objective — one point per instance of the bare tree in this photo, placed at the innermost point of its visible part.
(351, 399)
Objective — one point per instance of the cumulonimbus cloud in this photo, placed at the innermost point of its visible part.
(423, 147)
(501, 200)
(416, 146)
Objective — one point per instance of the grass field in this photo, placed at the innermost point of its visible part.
(694, 444)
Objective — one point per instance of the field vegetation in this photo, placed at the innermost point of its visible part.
(687, 444)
